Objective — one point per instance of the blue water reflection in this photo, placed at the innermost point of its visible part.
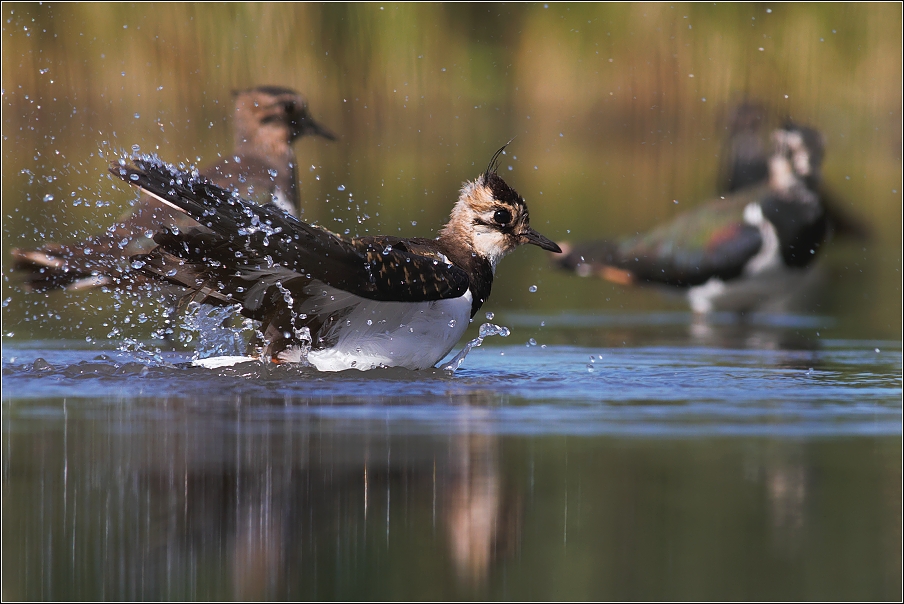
(515, 478)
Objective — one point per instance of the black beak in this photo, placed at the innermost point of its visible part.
(312, 127)
(535, 238)
(304, 125)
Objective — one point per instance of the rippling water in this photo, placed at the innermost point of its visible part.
(844, 388)
(679, 460)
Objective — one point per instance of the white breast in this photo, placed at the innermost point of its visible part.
(769, 257)
(391, 334)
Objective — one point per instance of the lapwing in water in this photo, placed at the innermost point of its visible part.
(734, 253)
(336, 303)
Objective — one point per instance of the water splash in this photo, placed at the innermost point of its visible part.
(213, 327)
(486, 330)
(147, 354)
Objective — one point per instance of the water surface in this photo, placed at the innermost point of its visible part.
(673, 465)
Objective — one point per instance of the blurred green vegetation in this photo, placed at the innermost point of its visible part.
(618, 110)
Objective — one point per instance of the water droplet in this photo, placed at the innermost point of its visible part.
(452, 323)
(877, 350)
(532, 288)
(48, 197)
(590, 368)
(341, 187)
(369, 322)
(532, 342)
(490, 316)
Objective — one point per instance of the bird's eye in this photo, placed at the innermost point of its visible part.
(502, 217)
(290, 107)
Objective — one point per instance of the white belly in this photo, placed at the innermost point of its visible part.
(766, 290)
(392, 334)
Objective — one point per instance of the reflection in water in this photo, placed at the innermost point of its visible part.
(782, 472)
(721, 330)
(751, 332)
(482, 521)
(180, 505)
(787, 492)
(199, 498)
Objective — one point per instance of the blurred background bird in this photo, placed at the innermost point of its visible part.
(737, 252)
(744, 163)
(262, 167)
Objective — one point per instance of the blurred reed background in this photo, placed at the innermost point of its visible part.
(618, 112)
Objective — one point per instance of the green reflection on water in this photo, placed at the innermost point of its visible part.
(108, 502)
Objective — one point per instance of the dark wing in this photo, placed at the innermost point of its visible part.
(249, 239)
(103, 259)
(713, 241)
(255, 179)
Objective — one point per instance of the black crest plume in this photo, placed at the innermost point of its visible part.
(494, 161)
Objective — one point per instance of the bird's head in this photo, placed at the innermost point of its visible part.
(491, 218)
(797, 153)
(273, 112)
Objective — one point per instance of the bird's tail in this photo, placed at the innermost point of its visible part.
(97, 262)
(600, 258)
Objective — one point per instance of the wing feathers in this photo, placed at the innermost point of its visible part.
(247, 236)
(713, 242)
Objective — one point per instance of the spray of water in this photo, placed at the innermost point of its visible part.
(486, 330)
(210, 330)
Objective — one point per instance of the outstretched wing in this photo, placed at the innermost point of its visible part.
(246, 240)
(96, 261)
(713, 241)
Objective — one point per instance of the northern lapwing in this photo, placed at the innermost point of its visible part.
(336, 303)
